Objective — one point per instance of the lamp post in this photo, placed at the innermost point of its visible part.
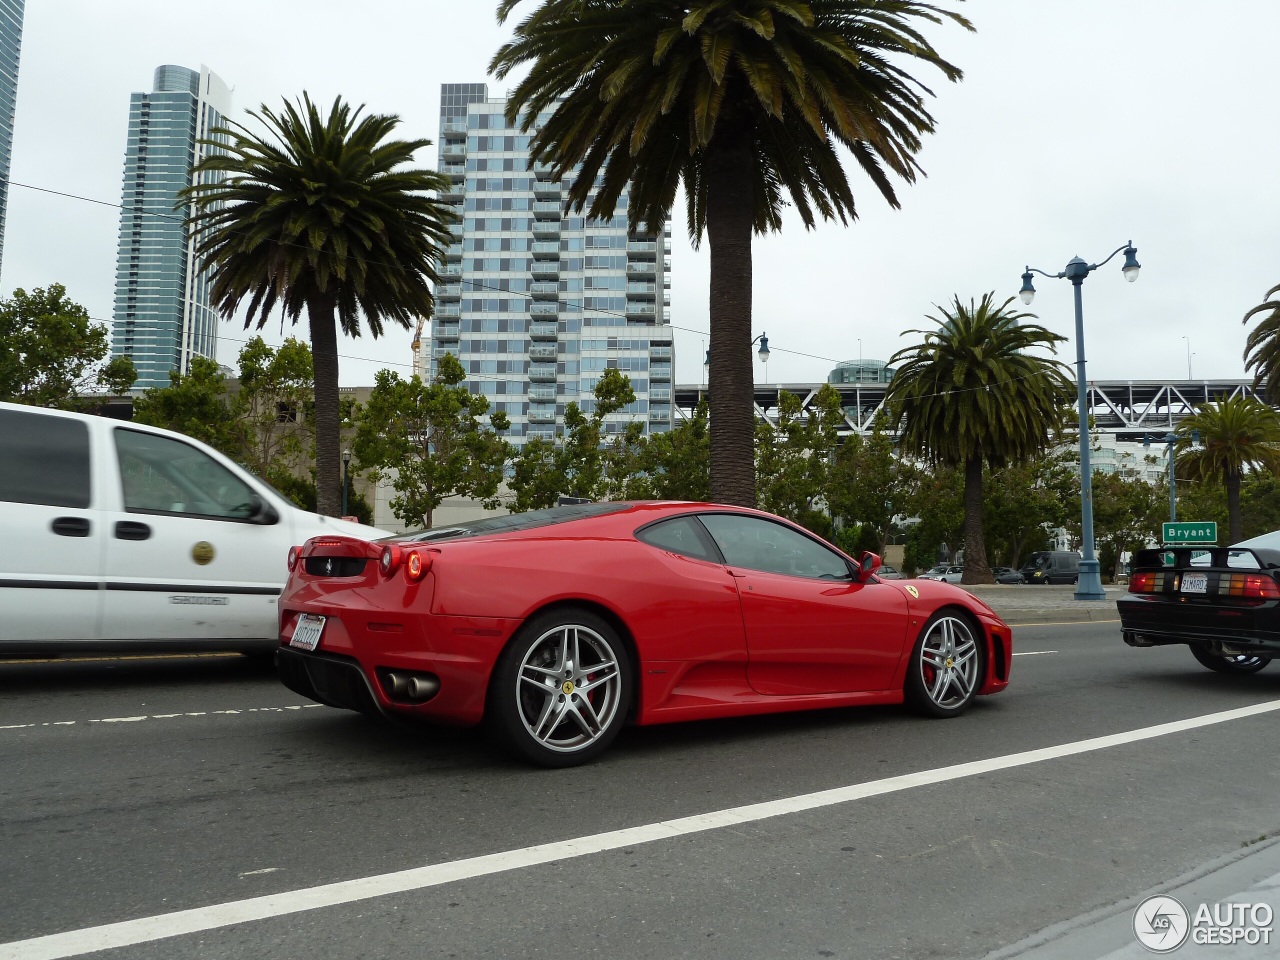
(1088, 583)
(1171, 439)
(346, 464)
(763, 353)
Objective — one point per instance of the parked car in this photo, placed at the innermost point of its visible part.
(122, 536)
(556, 627)
(947, 573)
(1223, 603)
(1008, 575)
(1051, 566)
(887, 572)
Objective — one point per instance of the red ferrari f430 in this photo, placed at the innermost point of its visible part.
(557, 627)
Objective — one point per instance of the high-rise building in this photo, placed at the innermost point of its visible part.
(536, 302)
(10, 47)
(162, 312)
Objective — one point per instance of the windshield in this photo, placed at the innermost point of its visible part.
(517, 521)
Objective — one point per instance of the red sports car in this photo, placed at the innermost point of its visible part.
(556, 627)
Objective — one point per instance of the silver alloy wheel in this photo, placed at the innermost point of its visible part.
(568, 688)
(1246, 661)
(948, 663)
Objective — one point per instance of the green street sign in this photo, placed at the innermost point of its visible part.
(1191, 532)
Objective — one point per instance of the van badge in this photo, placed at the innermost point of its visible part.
(202, 552)
(912, 590)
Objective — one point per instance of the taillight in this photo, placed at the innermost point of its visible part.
(389, 560)
(295, 553)
(1256, 586)
(416, 564)
(1142, 583)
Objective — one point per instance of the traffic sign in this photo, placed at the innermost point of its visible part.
(1191, 532)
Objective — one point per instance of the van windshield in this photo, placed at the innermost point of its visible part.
(1037, 560)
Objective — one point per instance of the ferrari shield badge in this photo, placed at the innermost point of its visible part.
(912, 590)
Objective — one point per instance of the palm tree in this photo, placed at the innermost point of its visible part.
(971, 393)
(1236, 434)
(320, 215)
(1262, 347)
(743, 102)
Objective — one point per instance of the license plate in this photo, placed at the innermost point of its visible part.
(306, 633)
(1195, 583)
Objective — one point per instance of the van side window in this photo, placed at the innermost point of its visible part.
(162, 475)
(44, 460)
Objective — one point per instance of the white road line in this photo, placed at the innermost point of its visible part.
(74, 943)
(159, 716)
(1033, 653)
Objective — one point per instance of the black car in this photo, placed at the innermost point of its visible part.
(1222, 602)
(1008, 575)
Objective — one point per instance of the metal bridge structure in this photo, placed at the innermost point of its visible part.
(1129, 410)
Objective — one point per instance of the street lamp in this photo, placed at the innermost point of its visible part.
(346, 464)
(763, 353)
(1171, 439)
(1089, 583)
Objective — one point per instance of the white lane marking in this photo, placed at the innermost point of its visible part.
(74, 943)
(255, 873)
(1033, 653)
(160, 716)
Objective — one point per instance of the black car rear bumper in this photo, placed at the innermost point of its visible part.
(1218, 627)
(326, 678)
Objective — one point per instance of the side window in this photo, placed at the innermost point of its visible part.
(44, 460)
(161, 475)
(681, 535)
(763, 545)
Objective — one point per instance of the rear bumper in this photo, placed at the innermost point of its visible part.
(1220, 628)
(325, 678)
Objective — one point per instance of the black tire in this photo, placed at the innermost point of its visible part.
(948, 641)
(1240, 664)
(561, 689)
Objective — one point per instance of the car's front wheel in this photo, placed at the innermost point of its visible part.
(1239, 663)
(561, 689)
(947, 666)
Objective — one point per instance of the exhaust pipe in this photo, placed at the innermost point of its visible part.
(422, 687)
(410, 687)
(396, 685)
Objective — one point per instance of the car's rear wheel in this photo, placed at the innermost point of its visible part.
(947, 666)
(1239, 663)
(561, 689)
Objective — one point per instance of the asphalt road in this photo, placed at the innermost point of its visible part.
(144, 788)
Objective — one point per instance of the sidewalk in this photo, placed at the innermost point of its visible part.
(1023, 603)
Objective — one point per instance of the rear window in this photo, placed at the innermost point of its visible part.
(44, 459)
(530, 520)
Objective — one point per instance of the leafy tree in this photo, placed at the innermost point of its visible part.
(274, 405)
(869, 484)
(1262, 346)
(195, 403)
(1238, 434)
(792, 458)
(320, 215)
(1126, 511)
(1259, 504)
(302, 491)
(537, 476)
(1022, 501)
(429, 437)
(118, 375)
(51, 348)
(939, 505)
(973, 393)
(677, 463)
(746, 103)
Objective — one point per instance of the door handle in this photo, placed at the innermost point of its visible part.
(131, 530)
(70, 526)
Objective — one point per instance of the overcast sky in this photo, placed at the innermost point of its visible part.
(1078, 126)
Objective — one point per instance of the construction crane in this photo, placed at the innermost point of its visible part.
(417, 347)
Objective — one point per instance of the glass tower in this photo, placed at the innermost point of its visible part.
(162, 312)
(535, 302)
(10, 47)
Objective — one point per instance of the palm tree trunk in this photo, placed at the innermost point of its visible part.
(324, 359)
(976, 569)
(731, 378)
(1234, 522)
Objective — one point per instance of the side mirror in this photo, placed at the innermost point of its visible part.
(261, 512)
(868, 563)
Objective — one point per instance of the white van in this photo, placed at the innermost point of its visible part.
(115, 535)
